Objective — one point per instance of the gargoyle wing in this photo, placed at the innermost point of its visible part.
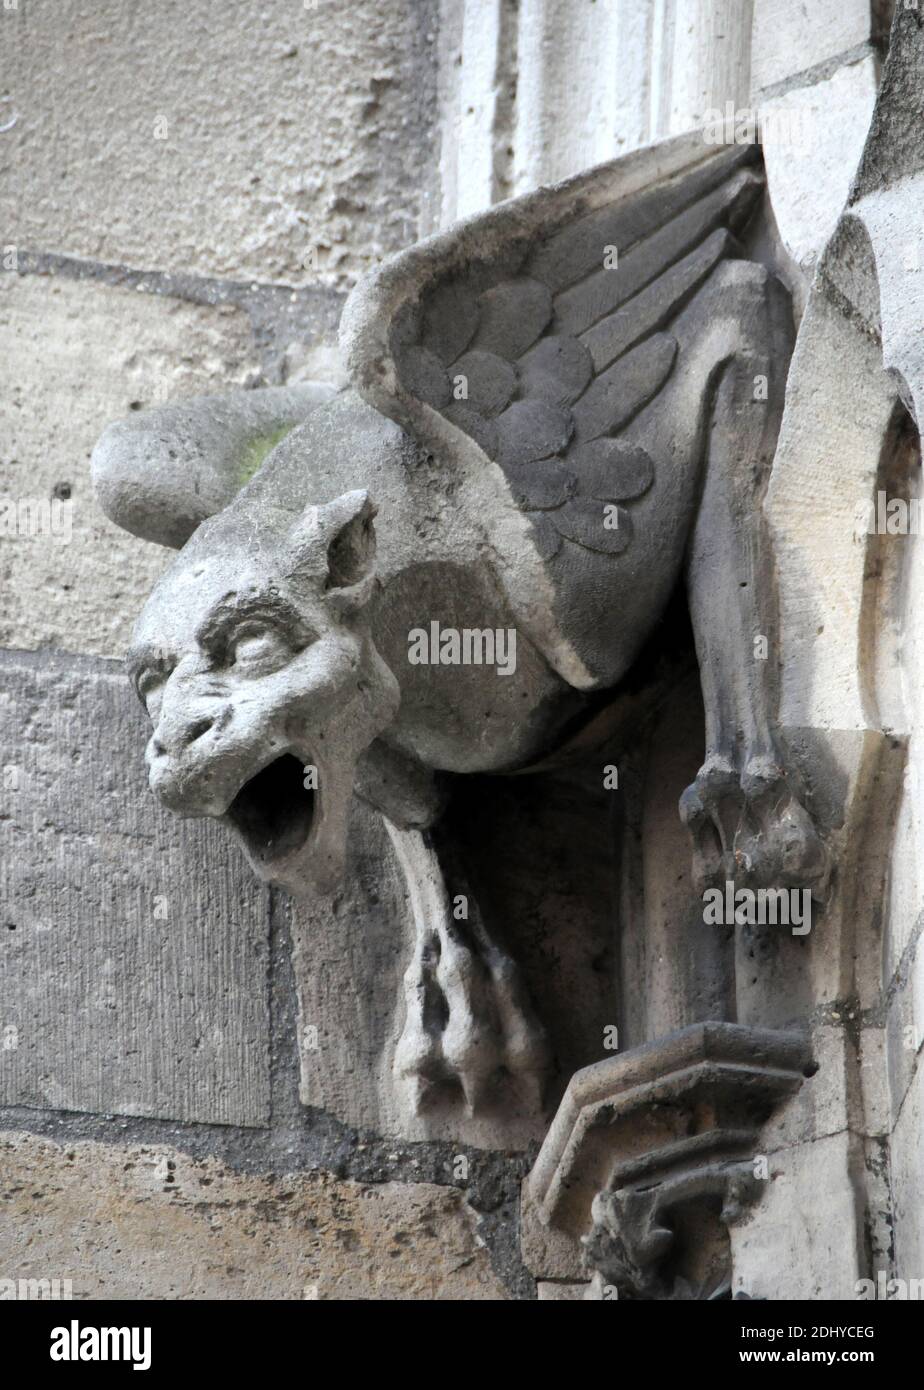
(539, 329)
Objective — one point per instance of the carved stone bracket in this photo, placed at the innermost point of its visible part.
(650, 1159)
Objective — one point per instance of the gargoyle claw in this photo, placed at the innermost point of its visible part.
(750, 827)
(468, 1020)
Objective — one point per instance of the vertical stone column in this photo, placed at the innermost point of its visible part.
(537, 93)
(846, 1156)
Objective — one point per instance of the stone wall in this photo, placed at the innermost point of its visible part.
(188, 1060)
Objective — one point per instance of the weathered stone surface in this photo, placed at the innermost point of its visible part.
(228, 141)
(151, 1223)
(489, 381)
(624, 1151)
(187, 462)
(821, 1106)
(904, 1028)
(422, 373)
(614, 336)
(606, 289)
(132, 945)
(590, 88)
(831, 443)
(906, 1151)
(619, 392)
(804, 1235)
(77, 355)
(477, 89)
(789, 37)
(531, 430)
(810, 174)
(850, 695)
(557, 369)
(512, 317)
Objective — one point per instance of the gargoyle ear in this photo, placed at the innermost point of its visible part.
(335, 543)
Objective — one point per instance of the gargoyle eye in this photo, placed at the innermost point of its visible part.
(256, 645)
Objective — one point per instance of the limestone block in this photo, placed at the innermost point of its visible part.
(874, 1081)
(229, 140)
(132, 945)
(917, 995)
(884, 231)
(850, 661)
(901, 896)
(820, 1107)
(152, 1223)
(77, 355)
(904, 1026)
(804, 1235)
(907, 1165)
(813, 152)
(904, 889)
(789, 37)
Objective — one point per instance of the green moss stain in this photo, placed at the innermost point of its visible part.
(257, 450)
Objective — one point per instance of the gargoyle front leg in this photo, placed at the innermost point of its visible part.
(744, 810)
(468, 1019)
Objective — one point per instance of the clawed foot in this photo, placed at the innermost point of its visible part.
(470, 1033)
(468, 1025)
(749, 827)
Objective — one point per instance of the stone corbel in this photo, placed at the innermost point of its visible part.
(649, 1161)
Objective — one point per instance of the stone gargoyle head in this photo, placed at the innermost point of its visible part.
(254, 661)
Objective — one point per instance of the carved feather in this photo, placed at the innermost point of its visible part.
(541, 342)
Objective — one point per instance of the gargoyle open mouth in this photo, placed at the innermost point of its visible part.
(274, 811)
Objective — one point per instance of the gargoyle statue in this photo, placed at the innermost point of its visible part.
(558, 409)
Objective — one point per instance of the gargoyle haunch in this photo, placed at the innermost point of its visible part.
(559, 409)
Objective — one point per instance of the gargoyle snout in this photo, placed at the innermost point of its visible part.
(176, 740)
(183, 721)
